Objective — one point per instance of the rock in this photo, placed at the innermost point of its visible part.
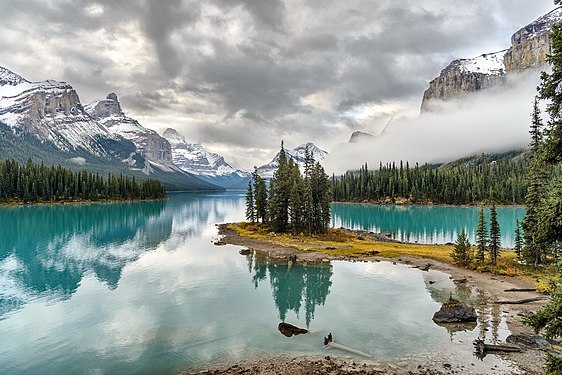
(220, 243)
(454, 311)
(289, 330)
(528, 340)
(245, 252)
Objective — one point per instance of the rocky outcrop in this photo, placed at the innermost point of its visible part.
(466, 75)
(529, 48)
(149, 143)
(531, 44)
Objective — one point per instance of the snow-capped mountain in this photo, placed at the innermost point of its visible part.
(52, 111)
(297, 155)
(149, 143)
(46, 120)
(195, 159)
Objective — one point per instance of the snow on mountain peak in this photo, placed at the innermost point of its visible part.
(7, 77)
(297, 155)
(488, 63)
(194, 158)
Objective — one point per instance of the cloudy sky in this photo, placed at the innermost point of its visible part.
(240, 75)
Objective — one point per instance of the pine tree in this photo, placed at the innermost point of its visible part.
(260, 196)
(518, 238)
(495, 235)
(481, 236)
(461, 252)
(534, 241)
(250, 204)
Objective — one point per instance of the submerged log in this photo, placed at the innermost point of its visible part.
(329, 342)
(482, 348)
(520, 301)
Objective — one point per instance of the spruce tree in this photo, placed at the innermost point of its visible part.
(495, 235)
(518, 238)
(260, 196)
(534, 241)
(461, 252)
(250, 204)
(481, 236)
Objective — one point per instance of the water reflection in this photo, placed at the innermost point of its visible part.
(45, 251)
(423, 224)
(307, 284)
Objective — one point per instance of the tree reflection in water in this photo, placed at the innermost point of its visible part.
(292, 287)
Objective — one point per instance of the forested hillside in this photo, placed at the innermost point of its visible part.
(487, 178)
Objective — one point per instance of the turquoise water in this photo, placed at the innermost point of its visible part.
(141, 288)
(424, 224)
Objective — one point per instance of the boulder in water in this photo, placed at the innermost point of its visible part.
(290, 330)
(454, 311)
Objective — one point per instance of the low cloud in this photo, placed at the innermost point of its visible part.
(490, 121)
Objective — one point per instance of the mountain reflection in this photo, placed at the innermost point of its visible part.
(292, 287)
(47, 249)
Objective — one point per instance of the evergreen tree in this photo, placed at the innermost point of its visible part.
(495, 235)
(260, 196)
(548, 223)
(518, 238)
(534, 240)
(280, 191)
(481, 236)
(250, 204)
(461, 252)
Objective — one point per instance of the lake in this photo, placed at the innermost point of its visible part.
(141, 288)
(424, 224)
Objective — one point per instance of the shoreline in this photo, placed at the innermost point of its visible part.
(495, 287)
(78, 202)
(406, 204)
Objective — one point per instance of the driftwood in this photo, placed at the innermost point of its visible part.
(329, 342)
(520, 290)
(482, 348)
(520, 301)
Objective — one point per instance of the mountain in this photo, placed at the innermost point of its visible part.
(359, 136)
(208, 166)
(529, 48)
(148, 143)
(51, 110)
(296, 154)
(46, 121)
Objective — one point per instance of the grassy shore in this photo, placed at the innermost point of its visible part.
(356, 244)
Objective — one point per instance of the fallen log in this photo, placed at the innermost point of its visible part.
(329, 342)
(520, 290)
(482, 348)
(520, 301)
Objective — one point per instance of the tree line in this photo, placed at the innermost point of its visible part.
(543, 221)
(482, 180)
(33, 183)
(294, 202)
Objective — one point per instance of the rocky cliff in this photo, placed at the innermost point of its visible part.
(531, 44)
(149, 143)
(529, 48)
(52, 111)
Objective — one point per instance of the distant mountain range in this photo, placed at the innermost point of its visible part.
(297, 155)
(47, 122)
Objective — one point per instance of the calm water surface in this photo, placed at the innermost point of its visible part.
(140, 288)
(424, 224)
